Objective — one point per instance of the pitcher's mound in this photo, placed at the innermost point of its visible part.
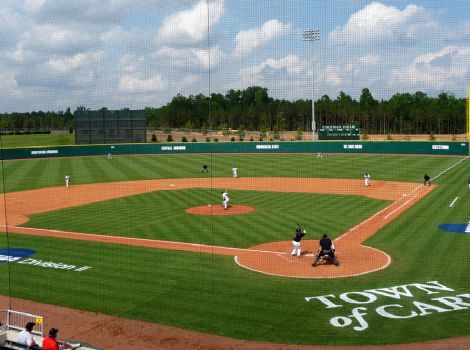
(217, 209)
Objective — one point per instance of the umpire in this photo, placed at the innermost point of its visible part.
(326, 248)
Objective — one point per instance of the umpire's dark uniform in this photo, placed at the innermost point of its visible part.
(326, 248)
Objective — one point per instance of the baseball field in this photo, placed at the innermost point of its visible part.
(124, 241)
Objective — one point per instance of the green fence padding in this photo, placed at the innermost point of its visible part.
(408, 147)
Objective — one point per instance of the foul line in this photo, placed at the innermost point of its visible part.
(126, 240)
(446, 170)
(453, 202)
(401, 206)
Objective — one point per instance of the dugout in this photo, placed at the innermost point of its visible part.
(105, 126)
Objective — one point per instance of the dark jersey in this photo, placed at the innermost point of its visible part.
(325, 243)
(298, 235)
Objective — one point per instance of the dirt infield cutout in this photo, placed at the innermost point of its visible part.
(218, 210)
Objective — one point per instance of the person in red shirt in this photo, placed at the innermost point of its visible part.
(51, 343)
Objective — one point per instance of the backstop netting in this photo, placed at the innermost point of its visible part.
(193, 154)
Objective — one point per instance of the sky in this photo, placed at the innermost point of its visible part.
(56, 54)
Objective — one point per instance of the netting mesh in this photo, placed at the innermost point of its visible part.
(191, 229)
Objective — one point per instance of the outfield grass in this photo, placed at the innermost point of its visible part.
(37, 140)
(211, 293)
(38, 173)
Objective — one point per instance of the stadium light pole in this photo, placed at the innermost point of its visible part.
(312, 35)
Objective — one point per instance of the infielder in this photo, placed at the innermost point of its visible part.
(234, 172)
(296, 250)
(67, 180)
(225, 199)
(367, 179)
(427, 180)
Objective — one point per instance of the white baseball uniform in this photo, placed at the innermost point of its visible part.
(225, 199)
(67, 181)
(235, 172)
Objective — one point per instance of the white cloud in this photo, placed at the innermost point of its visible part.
(190, 26)
(8, 84)
(51, 38)
(19, 56)
(187, 81)
(291, 64)
(130, 83)
(333, 76)
(442, 69)
(377, 22)
(190, 57)
(369, 60)
(272, 70)
(64, 64)
(248, 40)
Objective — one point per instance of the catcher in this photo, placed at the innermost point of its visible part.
(326, 249)
(299, 233)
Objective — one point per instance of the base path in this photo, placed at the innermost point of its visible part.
(271, 258)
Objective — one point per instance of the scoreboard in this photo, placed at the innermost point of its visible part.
(339, 132)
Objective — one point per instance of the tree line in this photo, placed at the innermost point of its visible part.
(254, 109)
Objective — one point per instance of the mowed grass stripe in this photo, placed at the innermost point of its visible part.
(161, 215)
(99, 169)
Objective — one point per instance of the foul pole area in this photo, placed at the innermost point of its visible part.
(468, 114)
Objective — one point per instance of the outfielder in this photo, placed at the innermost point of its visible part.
(225, 199)
(67, 180)
(296, 250)
(234, 172)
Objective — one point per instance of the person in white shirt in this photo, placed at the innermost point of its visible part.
(25, 337)
(234, 172)
(366, 179)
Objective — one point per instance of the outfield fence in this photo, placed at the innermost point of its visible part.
(424, 148)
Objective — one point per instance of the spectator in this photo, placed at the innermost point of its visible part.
(51, 343)
(25, 337)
